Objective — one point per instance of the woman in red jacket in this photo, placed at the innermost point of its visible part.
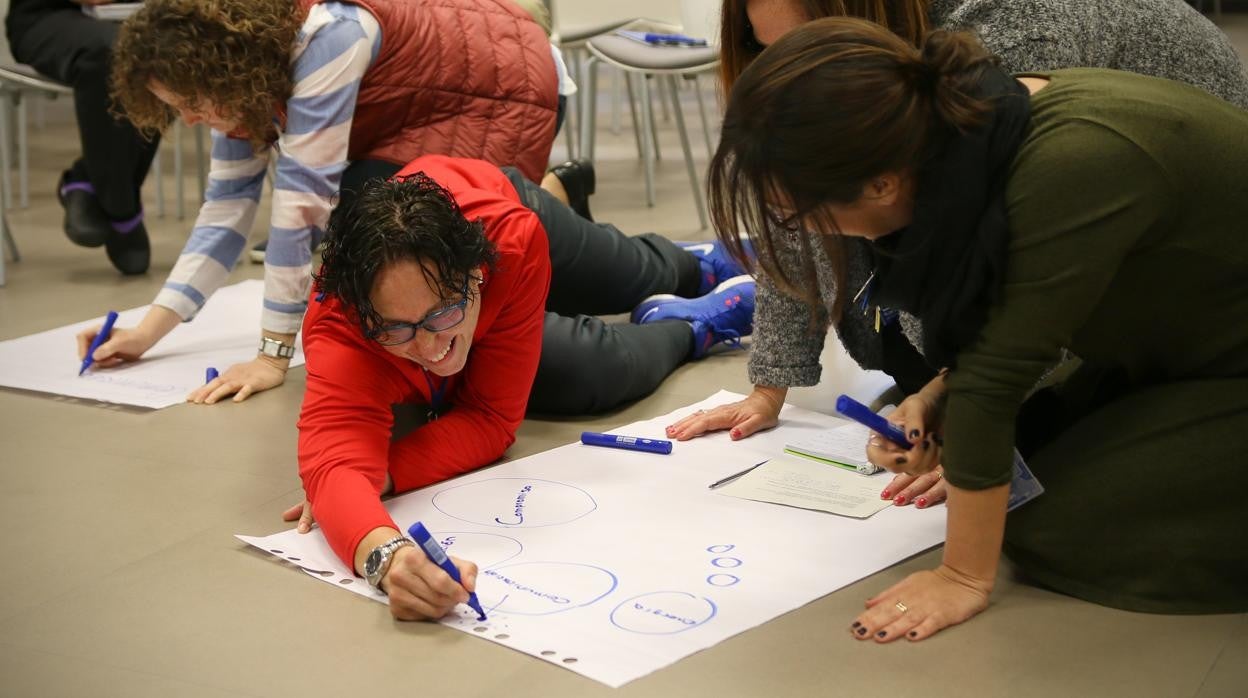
(456, 286)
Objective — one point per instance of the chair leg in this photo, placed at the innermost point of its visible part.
(649, 143)
(629, 79)
(706, 128)
(654, 123)
(6, 149)
(684, 145)
(589, 108)
(23, 154)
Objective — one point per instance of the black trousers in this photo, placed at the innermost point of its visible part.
(59, 41)
(587, 365)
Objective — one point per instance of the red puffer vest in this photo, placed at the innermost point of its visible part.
(465, 78)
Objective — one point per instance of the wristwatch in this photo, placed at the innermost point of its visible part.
(275, 349)
(378, 562)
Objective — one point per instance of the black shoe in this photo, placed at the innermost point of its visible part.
(577, 177)
(257, 252)
(86, 223)
(128, 247)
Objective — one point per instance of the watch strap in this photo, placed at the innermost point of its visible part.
(276, 349)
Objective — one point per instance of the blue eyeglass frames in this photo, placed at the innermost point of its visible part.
(439, 320)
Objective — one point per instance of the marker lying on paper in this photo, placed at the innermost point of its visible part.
(100, 338)
(862, 414)
(425, 542)
(210, 375)
(628, 443)
(732, 477)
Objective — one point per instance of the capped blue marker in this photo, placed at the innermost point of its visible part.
(852, 409)
(100, 338)
(425, 542)
(628, 443)
(210, 375)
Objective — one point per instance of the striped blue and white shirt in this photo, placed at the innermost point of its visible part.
(335, 47)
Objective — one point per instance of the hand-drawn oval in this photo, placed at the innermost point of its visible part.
(542, 588)
(513, 502)
(663, 613)
(722, 580)
(723, 562)
(485, 549)
(720, 548)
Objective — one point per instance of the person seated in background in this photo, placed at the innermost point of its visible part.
(1162, 38)
(337, 93)
(469, 290)
(100, 190)
(1017, 217)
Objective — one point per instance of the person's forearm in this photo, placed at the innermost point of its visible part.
(973, 534)
(158, 322)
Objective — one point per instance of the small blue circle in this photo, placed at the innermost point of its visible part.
(726, 562)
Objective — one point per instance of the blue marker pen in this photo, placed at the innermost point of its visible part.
(210, 375)
(628, 443)
(862, 414)
(424, 541)
(100, 338)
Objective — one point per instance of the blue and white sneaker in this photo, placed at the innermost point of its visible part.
(726, 314)
(718, 265)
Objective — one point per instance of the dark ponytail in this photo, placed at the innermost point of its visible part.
(831, 105)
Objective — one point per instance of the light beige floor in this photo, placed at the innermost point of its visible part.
(122, 578)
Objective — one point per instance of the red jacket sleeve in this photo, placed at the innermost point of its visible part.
(490, 400)
(344, 432)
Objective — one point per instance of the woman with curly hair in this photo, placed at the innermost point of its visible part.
(338, 92)
(1016, 217)
(1161, 38)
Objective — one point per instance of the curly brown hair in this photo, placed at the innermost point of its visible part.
(233, 53)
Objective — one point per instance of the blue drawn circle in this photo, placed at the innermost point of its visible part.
(720, 579)
(726, 562)
(475, 554)
(720, 548)
(663, 613)
(453, 503)
(501, 589)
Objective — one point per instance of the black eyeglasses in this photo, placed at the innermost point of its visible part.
(439, 320)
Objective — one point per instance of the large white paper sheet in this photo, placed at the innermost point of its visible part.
(225, 332)
(614, 564)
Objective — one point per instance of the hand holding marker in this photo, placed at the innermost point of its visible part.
(425, 542)
(100, 338)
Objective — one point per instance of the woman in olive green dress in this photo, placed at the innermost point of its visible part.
(1086, 210)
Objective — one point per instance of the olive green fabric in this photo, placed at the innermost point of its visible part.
(1128, 208)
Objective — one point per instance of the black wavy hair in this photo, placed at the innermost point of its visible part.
(404, 218)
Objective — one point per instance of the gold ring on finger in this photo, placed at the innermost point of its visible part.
(901, 607)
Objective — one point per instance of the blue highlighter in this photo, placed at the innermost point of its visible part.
(424, 541)
(852, 409)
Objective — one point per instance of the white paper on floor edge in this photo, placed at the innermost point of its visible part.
(614, 564)
(225, 332)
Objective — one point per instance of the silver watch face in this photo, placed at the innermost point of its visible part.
(373, 564)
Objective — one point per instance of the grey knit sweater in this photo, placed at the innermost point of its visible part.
(1163, 38)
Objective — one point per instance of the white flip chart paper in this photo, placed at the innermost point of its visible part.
(225, 332)
(614, 564)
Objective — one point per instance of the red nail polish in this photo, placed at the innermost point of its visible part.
(886, 495)
(921, 502)
(901, 499)
(736, 433)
